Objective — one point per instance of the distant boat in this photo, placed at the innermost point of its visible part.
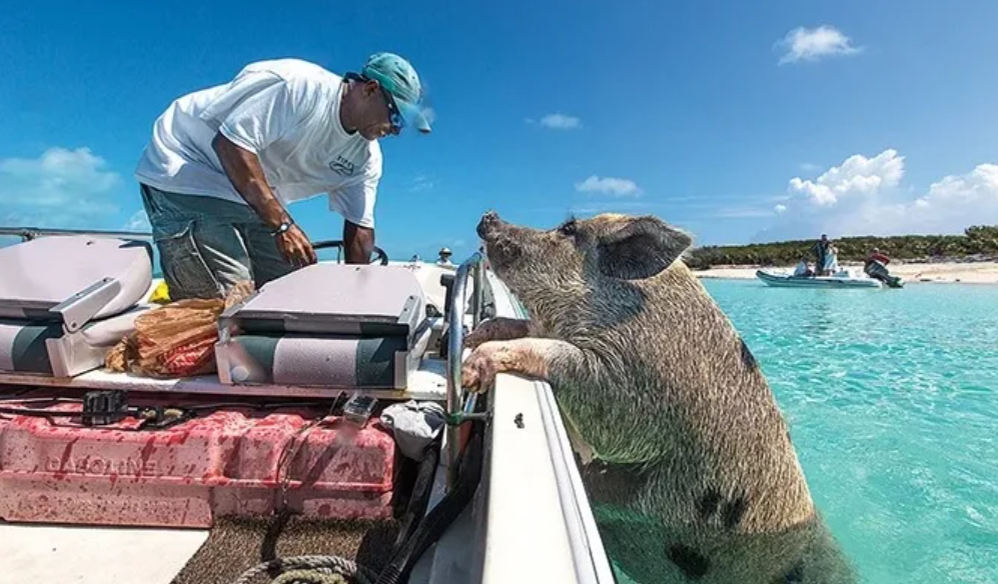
(841, 279)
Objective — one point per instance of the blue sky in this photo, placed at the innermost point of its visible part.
(738, 121)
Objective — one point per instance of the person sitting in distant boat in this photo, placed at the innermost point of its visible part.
(875, 266)
(876, 256)
(803, 269)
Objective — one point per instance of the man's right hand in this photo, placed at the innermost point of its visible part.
(295, 247)
(247, 176)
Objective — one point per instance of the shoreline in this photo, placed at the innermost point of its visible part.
(913, 273)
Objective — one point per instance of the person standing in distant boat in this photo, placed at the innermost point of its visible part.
(820, 250)
(831, 260)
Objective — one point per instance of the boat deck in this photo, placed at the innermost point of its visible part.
(426, 383)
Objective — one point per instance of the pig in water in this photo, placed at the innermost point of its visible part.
(684, 453)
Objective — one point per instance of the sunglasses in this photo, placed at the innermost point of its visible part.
(394, 115)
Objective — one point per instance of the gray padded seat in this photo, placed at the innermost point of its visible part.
(327, 325)
(66, 300)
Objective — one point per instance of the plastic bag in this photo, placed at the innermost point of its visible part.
(176, 339)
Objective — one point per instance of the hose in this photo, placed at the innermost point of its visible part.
(421, 490)
(446, 511)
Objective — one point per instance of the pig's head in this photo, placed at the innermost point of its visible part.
(554, 271)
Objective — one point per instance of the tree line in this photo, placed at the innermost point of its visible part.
(976, 240)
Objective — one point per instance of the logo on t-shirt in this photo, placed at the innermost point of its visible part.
(342, 166)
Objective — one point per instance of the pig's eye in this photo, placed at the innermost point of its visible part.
(568, 228)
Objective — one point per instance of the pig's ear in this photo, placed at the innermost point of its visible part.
(641, 247)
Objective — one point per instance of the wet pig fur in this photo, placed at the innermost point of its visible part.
(684, 453)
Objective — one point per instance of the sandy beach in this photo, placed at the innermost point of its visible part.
(912, 273)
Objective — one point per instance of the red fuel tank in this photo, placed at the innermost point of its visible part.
(227, 460)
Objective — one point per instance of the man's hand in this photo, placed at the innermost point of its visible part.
(295, 247)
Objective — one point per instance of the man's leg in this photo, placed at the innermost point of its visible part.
(202, 253)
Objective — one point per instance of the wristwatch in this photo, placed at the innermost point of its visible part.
(284, 226)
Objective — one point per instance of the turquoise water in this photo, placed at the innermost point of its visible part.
(892, 399)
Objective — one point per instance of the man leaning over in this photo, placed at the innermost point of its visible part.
(224, 162)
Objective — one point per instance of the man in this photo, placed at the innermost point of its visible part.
(820, 250)
(876, 256)
(803, 268)
(444, 259)
(875, 264)
(224, 163)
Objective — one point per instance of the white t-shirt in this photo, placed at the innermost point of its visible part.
(286, 111)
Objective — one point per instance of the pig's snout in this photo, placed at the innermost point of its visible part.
(499, 239)
(488, 223)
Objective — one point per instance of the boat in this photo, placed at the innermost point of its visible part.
(110, 476)
(841, 279)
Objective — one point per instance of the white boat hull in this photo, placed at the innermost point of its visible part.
(790, 281)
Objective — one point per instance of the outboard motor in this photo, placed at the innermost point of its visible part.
(878, 271)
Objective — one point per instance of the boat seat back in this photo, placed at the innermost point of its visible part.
(329, 325)
(65, 299)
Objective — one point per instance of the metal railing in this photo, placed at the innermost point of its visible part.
(29, 233)
(460, 409)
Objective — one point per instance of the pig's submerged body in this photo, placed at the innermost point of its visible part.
(689, 485)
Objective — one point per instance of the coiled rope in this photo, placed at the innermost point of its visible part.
(311, 570)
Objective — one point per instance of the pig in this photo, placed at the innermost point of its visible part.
(684, 454)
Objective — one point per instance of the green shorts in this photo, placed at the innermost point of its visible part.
(206, 245)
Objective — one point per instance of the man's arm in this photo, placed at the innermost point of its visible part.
(244, 171)
(358, 242)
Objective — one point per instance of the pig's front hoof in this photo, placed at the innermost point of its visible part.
(477, 375)
(478, 372)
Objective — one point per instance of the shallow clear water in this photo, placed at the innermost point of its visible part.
(892, 400)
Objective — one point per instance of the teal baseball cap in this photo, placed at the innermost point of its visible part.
(399, 78)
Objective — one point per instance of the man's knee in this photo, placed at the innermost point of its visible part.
(185, 271)
(202, 260)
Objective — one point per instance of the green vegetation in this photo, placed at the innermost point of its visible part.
(976, 240)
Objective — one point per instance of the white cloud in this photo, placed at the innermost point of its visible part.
(857, 175)
(957, 202)
(619, 187)
(60, 188)
(422, 182)
(780, 209)
(139, 221)
(560, 121)
(863, 196)
(812, 44)
(743, 213)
